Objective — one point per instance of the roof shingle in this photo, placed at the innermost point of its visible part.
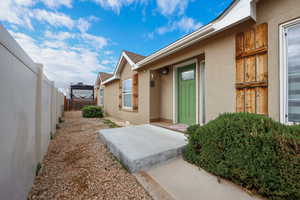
(134, 57)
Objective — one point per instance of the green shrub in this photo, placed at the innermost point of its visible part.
(92, 112)
(110, 123)
(251, 150)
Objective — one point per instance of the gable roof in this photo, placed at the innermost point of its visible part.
(134, 57)
(102, 76)
(126, 56)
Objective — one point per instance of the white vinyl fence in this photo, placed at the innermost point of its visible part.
(30, 108)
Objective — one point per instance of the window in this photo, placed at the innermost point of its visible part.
(188, 75)
(101, 96)
(291, 72)
(127, 94)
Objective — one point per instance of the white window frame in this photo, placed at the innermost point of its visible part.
(126, 93)
(283, 70)
(202, 91)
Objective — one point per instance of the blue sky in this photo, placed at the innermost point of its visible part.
(75, 39)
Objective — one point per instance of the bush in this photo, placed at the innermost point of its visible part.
(251, 150)
(111, 124)
(92, 112)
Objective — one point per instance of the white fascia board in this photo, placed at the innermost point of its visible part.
(123, 55)
(116, 72)
(109, 80)
(240, 11)
(133, 65)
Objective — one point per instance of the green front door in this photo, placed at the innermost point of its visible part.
(186, 94)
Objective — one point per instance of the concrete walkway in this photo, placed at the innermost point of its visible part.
(180, 180)
(141, 147)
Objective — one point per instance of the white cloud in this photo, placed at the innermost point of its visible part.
(53, 4)
(116, 5)
(16, 12)
(20, 12)
(185, 24)
(97, 42)
(168, 7)
(55, 44)
(59, 35)
(106, 62)
(83, 25)
(165, 7)
(53, 18)
(24, 2)
(22, 16)
(108, 52)
(150, 35)
(62, 64)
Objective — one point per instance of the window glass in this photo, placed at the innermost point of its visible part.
(127, 100)
(188, 75)
(127, 85)
(101, 96)
(293, 69)
(127, 93)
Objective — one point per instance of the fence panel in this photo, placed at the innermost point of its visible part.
(28, 111)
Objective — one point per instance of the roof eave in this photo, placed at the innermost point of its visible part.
(239, 11)
(175, 46)
(109, 80)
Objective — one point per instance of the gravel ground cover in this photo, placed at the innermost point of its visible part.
(79, 166)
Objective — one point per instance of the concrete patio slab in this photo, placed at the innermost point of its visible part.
(141, 147)
(181, 180)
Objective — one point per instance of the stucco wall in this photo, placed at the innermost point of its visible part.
(220, 75)
(24, 118)
(111, 98)
(155, 96)
(166, 96)
(275, 12)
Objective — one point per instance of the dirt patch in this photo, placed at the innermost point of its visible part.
(79, 166)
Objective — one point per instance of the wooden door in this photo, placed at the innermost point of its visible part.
(252, 70)
(187, 94)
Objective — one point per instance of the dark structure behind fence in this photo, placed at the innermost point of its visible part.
(81, 95)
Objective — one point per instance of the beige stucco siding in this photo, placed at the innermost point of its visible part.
(166, 96)
(126, 72)
(155, 96)
(220, 75)
(111, 98)
(275, 12)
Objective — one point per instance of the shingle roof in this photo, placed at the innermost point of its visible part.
(134, 57)
(102, 76)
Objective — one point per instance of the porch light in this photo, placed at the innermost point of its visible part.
(164, 71)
